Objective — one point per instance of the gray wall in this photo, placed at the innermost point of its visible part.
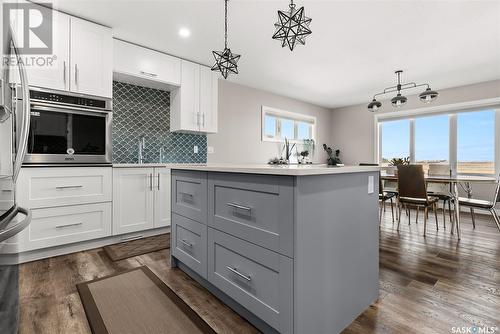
(352, 128)
(239, 136)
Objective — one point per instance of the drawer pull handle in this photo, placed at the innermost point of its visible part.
(186, 243)
(69, 187)
(236, 272)
(237, 206)
(131, 238)
(149, 74)
(69, 225)
(187, 194)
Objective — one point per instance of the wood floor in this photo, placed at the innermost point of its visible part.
(427, 285)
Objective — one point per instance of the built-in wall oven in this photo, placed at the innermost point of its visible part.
(69, 128)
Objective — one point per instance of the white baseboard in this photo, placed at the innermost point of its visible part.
(39, 254)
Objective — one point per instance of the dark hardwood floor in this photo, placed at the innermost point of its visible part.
(427, 285)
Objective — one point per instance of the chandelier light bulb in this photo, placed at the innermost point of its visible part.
(428, 95)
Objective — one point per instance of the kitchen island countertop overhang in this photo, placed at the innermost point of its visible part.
(290, 170)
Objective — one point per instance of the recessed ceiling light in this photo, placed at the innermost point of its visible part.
(184, 32)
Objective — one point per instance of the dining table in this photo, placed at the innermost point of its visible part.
(454, 181)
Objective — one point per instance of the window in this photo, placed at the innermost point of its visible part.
(279, 124)
(432, 140)
(395, 139)
(476, 142)
(465, 141)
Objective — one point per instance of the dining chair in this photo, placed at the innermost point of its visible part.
(412, 189)
(383, 196)
(441, 190)
(473, 203)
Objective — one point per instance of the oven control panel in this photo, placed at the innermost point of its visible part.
(68, 99)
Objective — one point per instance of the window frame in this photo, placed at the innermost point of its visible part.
(283, 114)
(452, 111)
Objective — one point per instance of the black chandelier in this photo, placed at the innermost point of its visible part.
(225, 61)
(292, 26)
(399, 100)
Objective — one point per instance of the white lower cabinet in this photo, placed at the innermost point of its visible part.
(141, 199)
(162, 205)
(68, 204)
(57, 226)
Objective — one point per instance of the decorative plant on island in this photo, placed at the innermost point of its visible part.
(333, 156)
(307, 153)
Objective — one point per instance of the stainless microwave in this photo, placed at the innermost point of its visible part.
(69, 128)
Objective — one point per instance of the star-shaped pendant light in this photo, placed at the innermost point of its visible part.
(226, 62)
(292, 26)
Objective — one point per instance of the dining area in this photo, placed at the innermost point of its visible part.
(407, 188)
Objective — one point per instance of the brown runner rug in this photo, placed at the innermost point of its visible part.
(137, 302)
(128, 249)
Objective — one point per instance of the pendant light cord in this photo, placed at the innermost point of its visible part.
(225, 24)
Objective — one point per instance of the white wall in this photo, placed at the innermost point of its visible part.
(353, 127)
(239, 136)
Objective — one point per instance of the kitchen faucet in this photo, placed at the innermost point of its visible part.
(142, 146)
(161, 154)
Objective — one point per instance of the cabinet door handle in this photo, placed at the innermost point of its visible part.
(77, 74)
(203, 118)
(151, 182)
(186, 243)
(236, 272)
(197, 119)
(69, 187)
(158, 181)
(149, 74)
(64, 72)
(238, 206)
(69, 225)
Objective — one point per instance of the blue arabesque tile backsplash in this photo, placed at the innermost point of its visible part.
(140, 111)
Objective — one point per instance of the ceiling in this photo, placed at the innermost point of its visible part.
(351, 55)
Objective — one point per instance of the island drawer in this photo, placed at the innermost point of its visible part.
(256, 208)
(189, 194)
(257, 278)
(189, 243)
(58, 186)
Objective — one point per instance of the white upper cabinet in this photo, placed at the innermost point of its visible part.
(185, 101)
(209, 93)
(55, 74)
(194, 105)
(138, 65)
(91, 58)
(81, 60)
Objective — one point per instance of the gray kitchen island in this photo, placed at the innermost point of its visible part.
(293, 249)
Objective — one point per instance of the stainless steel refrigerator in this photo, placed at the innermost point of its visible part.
(14, 128)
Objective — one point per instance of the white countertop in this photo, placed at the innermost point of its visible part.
(291, 170)
(152, 165)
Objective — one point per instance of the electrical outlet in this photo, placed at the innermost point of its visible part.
(195, 149)
(210, 149)
(370, 184)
